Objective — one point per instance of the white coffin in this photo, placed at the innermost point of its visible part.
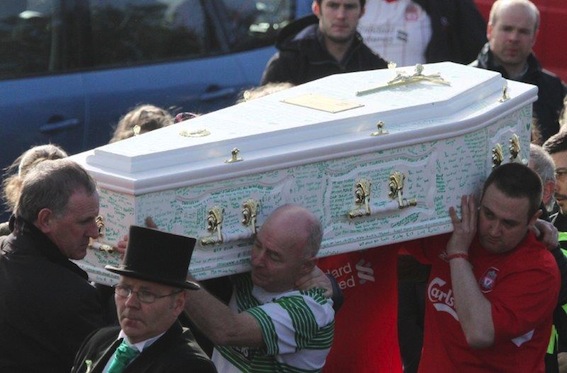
(312, 145)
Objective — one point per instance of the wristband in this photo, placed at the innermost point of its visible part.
(457, 255)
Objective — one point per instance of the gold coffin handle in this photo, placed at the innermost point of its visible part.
(215, 218)
(362, 203)
(361, 199)
(249, 214)
(396, 185)
(214, 226)
(514, 149)
(497, 155)
(98, 244)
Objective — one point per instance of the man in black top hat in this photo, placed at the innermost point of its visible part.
(149, 297)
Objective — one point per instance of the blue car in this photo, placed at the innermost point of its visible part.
(69, 69)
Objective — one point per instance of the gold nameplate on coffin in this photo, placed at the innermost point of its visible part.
(323, 103)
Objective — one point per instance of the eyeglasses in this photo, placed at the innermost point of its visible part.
(144, 296)
(561, 172)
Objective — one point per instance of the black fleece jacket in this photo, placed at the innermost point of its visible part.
(302, 56)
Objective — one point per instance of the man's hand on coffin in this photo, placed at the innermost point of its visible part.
(121, 246)
(123, 243)
(464, 229)
(149, 222)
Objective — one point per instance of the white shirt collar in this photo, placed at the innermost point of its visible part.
(140, 346)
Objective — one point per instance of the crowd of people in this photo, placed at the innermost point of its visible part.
(489, 296)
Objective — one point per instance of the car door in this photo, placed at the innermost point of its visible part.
(38, 104)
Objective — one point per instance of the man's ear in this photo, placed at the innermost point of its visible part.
(179, 303)
(316, 8)
(548, 191)
(44, 220)
(488, 31)
(309, 265)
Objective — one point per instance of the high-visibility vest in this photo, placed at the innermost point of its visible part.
(551, 348)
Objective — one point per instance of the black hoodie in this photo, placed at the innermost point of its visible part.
(302, 56)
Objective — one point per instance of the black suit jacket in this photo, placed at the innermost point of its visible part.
(175, 351)
(47, 305)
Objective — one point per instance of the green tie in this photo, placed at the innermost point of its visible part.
(123, 356)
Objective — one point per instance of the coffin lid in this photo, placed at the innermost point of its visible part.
(271, 133)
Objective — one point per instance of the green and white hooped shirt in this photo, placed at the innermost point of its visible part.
(297, 326)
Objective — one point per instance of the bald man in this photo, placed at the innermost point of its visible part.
(268, 323)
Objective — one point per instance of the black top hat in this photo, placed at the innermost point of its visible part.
(157, 256)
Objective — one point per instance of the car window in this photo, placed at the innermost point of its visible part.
(57, 36)
(54, 36)
(256, 23)
(126, 32)
(25, 37)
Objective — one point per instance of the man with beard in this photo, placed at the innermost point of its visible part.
(542, 163)
(321, 45)
(556, 146)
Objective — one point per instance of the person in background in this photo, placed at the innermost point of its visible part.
(321, 45)
(542, 163)
(512, 31)
(139, 120)
(409, 32)
(48, 306)
(17, 171)
(150, 295)
(493, 286)
(556, 146)
(183, 116)
(269, 325)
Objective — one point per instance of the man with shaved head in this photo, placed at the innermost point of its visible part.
(269, 325)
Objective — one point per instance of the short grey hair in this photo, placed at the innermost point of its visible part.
(50, 185)
(542, 163)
